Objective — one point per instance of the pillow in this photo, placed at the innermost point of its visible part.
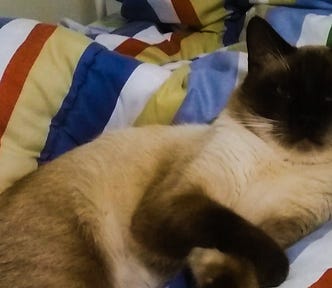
(57, 90)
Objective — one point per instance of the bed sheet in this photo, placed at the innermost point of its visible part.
(175, 62)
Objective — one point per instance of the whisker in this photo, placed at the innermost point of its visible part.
(277, 54)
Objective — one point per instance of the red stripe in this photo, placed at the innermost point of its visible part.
(325, 281)
(186, 13)
(133, 47)
(174, 45)
(18, 69)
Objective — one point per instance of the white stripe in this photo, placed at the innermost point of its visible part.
(259, 1)
(12, 36)
(140, 86)
(315, 30)
(312, 261)
(242, 68)
(172, 66)
(165, 11)
(151, 36)
(110, 41)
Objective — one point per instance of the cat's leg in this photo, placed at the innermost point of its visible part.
(292, 215)
(172, 223)
(287, 228)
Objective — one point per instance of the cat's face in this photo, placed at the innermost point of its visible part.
(288, 90)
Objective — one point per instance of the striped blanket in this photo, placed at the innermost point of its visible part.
(175, 61)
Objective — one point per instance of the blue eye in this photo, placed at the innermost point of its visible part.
(283, 93)
(328, 99)
(280, 90)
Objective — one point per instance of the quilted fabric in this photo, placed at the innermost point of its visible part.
(176, 61)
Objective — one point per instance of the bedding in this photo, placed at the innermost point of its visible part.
(165, 62)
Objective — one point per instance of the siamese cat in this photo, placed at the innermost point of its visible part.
(135, 206)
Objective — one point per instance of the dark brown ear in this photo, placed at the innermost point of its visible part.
(264, 41)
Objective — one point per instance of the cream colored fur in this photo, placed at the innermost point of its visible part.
(251, 175)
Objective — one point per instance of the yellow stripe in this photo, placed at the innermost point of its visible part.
(284, 2)
(260, 10)
(164, 104)
(45, 88)
(13, 166)
(191, 46)
(153, 55)
(198, 43)
(210, 12)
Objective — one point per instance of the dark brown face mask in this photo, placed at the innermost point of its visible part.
(289, 85)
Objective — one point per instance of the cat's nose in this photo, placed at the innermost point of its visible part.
(307, 123)
(308, 127)
(304, 127)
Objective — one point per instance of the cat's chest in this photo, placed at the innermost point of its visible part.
(231, 163)
(240, 168)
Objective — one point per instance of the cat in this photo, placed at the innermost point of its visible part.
(135, 206)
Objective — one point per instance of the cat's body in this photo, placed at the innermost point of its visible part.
(127, 209)
(113, 184)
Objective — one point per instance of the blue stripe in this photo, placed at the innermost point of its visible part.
(211, 81)
(132, 28)
(321, 4)
(4, 21)
(138, 10)
(288, 21)
(97, 82)
(182, 280)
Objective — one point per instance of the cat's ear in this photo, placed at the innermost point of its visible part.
(263, 42)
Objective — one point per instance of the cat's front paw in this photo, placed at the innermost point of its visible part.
(213, 269)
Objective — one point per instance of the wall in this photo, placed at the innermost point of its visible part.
(82, 11)
(112, 6)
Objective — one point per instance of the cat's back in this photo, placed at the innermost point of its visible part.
(44, 242)
(53, 222)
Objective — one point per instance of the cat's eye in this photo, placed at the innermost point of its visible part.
(328, 99)
(283, 93)
(279, 90)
